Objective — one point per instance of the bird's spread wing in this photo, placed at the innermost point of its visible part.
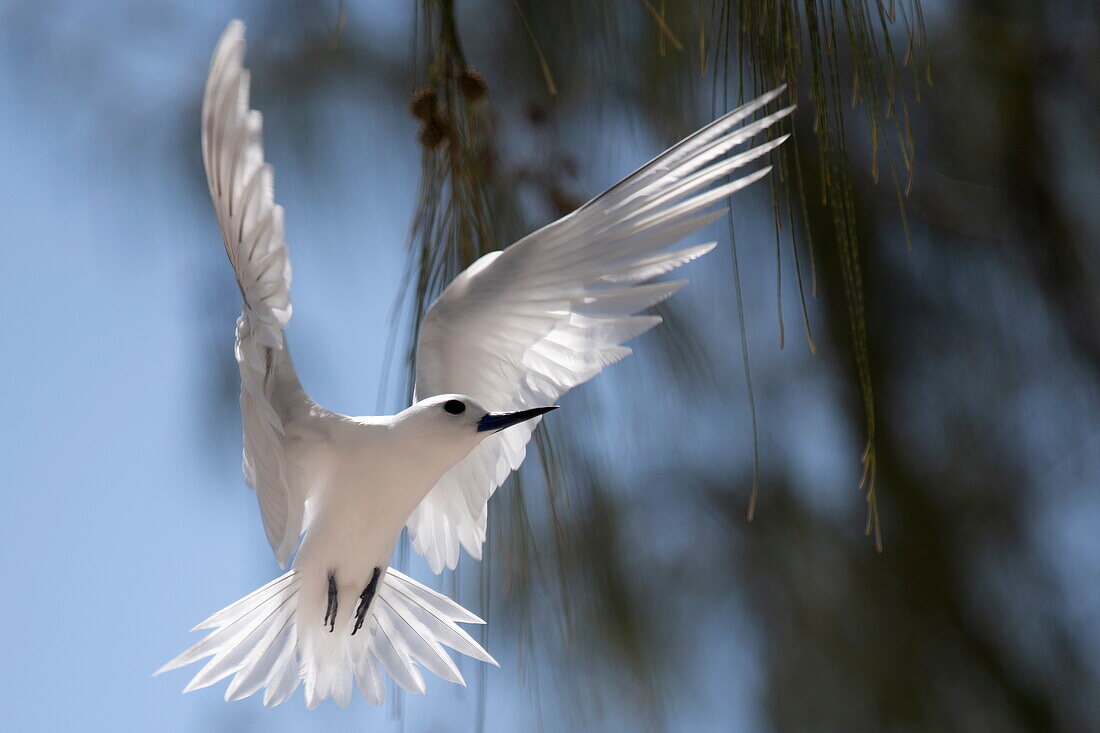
(242, 186)
(522, 326)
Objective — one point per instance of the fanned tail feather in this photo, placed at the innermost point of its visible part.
(256, 641)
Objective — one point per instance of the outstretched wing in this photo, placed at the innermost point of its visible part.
(242, 189)
(522, 326)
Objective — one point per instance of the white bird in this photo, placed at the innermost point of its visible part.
(506, 338)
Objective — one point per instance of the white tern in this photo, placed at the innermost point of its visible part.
(506, 338)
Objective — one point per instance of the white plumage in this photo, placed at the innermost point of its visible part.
(521, 327)
(256, 641)
(506, 338)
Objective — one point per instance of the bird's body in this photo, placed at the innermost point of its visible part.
(369, 473)
(504, 340)
(362, 477)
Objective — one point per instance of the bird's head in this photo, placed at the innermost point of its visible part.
(460, 420)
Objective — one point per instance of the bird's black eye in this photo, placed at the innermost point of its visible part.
(455, 407)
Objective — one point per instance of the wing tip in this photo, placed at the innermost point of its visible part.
(234, 30)
(231, 39)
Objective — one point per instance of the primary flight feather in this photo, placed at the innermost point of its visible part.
(506, 338)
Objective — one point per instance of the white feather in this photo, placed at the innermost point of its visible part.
(521, 327)
(242, 189)
(257, 641)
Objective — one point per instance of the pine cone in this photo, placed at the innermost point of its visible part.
(472, 84)
(423, 102)
(432, 133)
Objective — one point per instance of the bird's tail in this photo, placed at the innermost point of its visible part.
(256, 640)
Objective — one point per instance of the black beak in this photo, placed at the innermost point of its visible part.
(495, 421)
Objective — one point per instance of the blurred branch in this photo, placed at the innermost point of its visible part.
(465, 208)
(777, 40)
(461, 214)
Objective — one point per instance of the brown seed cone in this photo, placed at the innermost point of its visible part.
(472, 84)
(431, 133)
(423, 102)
